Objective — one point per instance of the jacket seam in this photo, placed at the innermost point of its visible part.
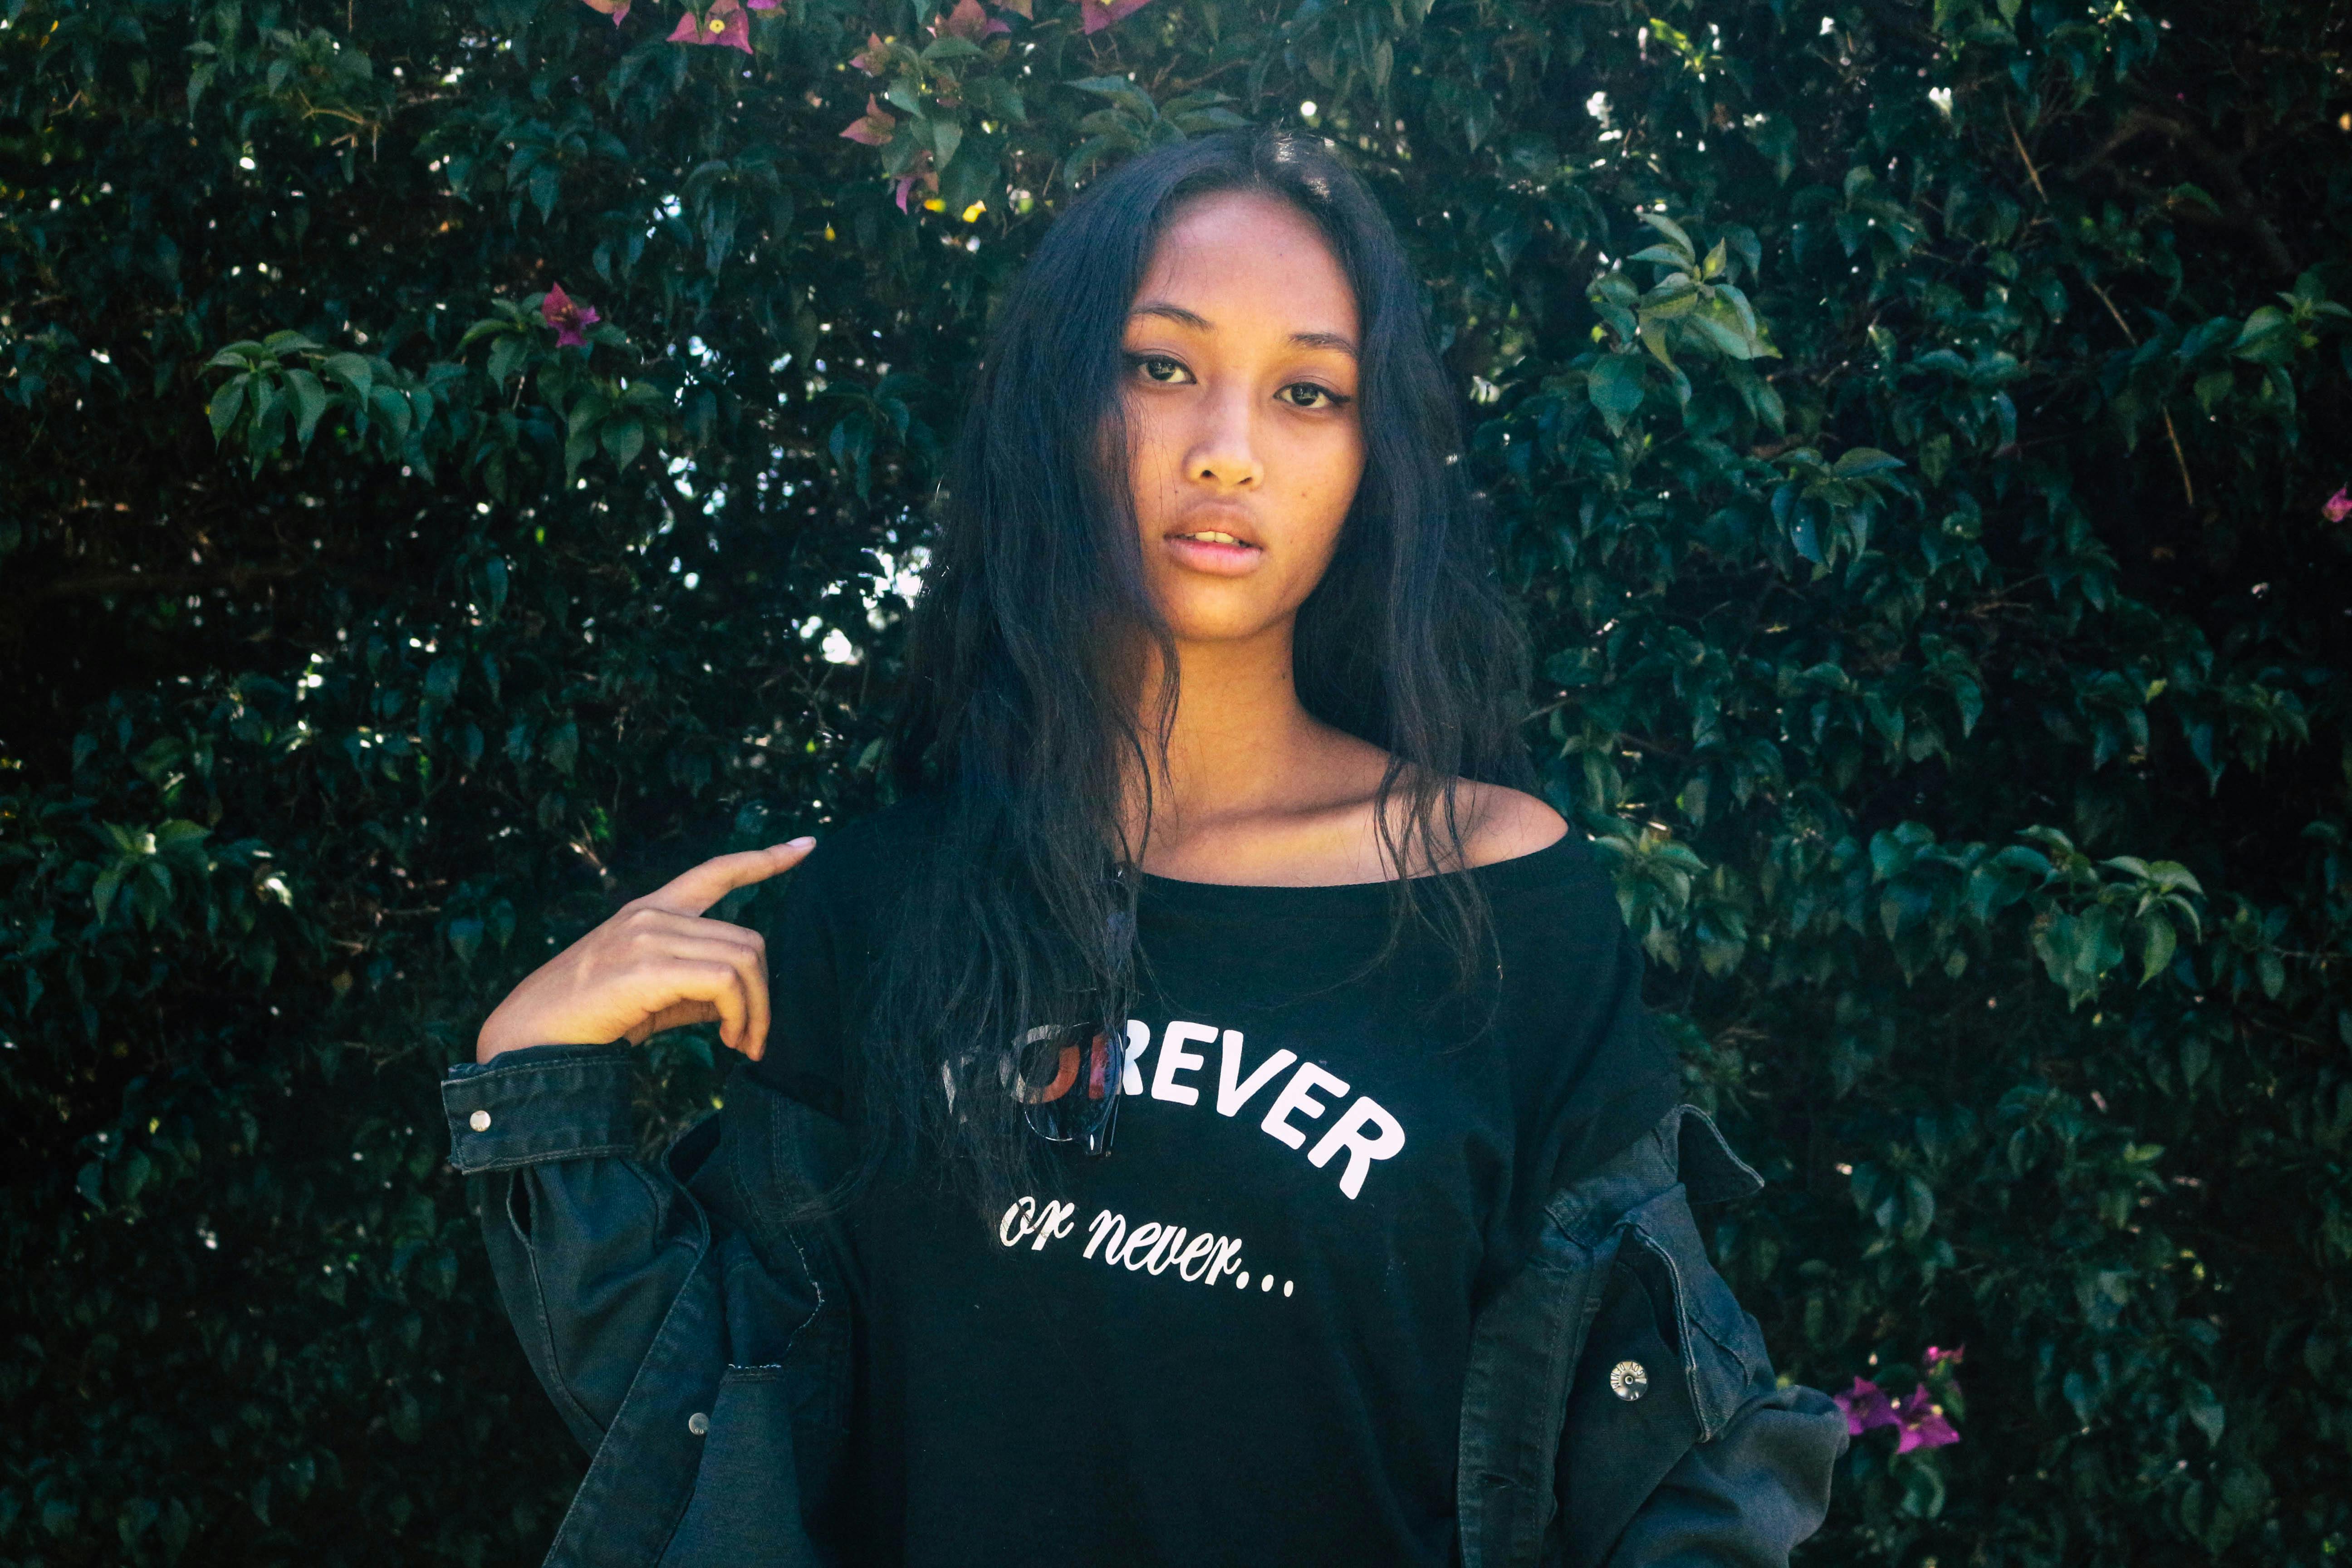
(576, 1152)
(546, 1328)
(700, 1246)
(481, 1072)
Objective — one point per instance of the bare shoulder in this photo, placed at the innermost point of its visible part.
(1498, 823)
(1502, 824)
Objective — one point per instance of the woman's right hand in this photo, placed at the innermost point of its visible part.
(657, 965)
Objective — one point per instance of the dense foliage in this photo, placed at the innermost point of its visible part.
(1913, 427)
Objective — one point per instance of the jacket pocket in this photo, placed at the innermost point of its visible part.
(1671, 1356)
(745, 1508)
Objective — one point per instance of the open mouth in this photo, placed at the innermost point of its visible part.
(1218, 552)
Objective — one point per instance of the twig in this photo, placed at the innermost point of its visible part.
(2019, 142)
(2187, 488)
(2219, 168)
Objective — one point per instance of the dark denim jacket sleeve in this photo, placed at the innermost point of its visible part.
(659, 1325)
(1620, 1409)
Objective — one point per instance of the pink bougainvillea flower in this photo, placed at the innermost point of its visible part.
(875, 127)
(2338, 506)
(1923, 1423)
(724, 23)
(1935, 1358)
(763, 4)
(1098, 16)
(616, 10)
(923, 173)
(874, 57)
(970, 23)
(1865, 1405)
(570, 319)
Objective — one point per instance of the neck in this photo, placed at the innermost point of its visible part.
(1240, 737)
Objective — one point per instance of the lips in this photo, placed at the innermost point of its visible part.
(1219, 551)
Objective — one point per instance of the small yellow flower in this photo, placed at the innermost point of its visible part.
(971, 214)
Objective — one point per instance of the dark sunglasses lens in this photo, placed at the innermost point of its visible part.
(1068, 1080)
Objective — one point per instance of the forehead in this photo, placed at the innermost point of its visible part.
(1246, 261)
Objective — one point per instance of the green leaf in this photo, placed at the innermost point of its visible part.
(393, 409)
(355, 372)
(507, 356)
(1615, 385)
(623, 439)
(2160, 943)
(1673, 232)
(1663, 254)
(1859, 462)
(1122, 92)
(2268, 337)
(226, 403)
(947, 135)
(949, 47)
(310, 402)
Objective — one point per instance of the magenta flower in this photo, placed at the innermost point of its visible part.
(1098, 15)
(1936, 1358)
(1865, 1405)
(570, 319)
(874, 57)
(616, 10)
(2338, 506)
(1923, 1423)
(922, 171)
(875, 127)
(970, 23)
(724, 23)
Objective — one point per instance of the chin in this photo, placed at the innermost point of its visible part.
(1220, 623)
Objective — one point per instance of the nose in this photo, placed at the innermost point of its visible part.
(1225, 446)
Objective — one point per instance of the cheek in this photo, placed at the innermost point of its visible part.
(1336, 481)
(1148, 464)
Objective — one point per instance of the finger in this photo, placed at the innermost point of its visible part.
(657, 928)
(745, 1033)
(677, 1016)
(705, 885)
(714, 981)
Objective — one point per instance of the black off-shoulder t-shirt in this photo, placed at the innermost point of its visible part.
(1241, 1338)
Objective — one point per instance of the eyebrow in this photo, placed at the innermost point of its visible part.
(1200, 323)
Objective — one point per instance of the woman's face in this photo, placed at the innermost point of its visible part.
(1245, 436)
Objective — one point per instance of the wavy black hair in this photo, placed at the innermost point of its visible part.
(1018, 703)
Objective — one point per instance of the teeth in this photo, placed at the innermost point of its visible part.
(1212, 537)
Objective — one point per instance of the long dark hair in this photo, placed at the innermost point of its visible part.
(1025, 658)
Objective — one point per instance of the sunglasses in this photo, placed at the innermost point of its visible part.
(1067, 1080)
(1067, 1075)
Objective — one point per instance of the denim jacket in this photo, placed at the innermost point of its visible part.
(1618, 1408)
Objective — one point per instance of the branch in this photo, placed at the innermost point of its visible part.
(2172, 434)
(2217, 166)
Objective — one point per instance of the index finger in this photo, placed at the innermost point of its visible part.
(696, 891)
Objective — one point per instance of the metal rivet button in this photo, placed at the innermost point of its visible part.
(480, 1121)
(1629, 1379)
(697, 1424)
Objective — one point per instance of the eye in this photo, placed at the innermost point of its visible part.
(1141, 362)
(1333, 399)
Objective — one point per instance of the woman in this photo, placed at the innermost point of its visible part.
(1209, 1118)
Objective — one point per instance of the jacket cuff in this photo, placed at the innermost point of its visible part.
(540, 1102)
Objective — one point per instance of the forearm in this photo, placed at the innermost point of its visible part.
(590, 1245)
(1746, 1499)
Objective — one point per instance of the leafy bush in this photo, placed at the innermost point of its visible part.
(466, 463)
